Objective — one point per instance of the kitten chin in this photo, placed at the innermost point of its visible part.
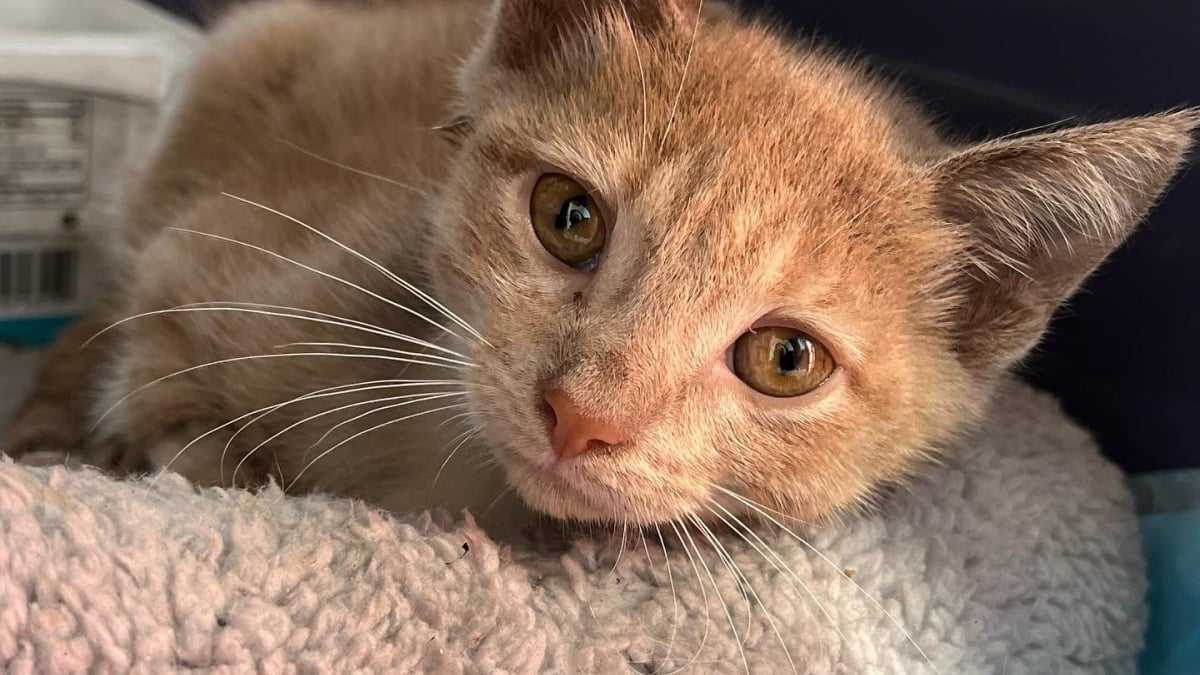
(621, 262)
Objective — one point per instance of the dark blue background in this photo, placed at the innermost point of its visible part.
(1122, 356)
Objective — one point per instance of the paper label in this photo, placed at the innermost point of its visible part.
(45, 147)
(50, 216)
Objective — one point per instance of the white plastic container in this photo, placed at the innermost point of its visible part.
(82, 84)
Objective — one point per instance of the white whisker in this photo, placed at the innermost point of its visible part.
(488, 461)
(368, 413)
(367, 386)
(649, 560)
(642, 72)
(450, 419)
(776, 561)
(674, 595)
(428, 299)
(621, 551)
(829, 562)
(284, 312)
(252, 413)
(278, 469)
(408, 399)
(460, 429)
(740, 579)
(322, 273)
(683, 78)
(465, 438)
(703, 595)
(766, 612)
(237, 359)
(338, 390)
(497, 500)
(781, 514)
(347, 167)
(386, 350)
(720, 598)
(363, 433)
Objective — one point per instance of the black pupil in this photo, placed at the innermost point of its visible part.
(791, 355)
(574, 211)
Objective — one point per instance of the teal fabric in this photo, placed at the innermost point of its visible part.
(1172, 543)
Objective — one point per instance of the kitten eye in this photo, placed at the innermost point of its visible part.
(781, 362)
(567, 221)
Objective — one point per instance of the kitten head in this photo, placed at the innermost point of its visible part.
(707, 259)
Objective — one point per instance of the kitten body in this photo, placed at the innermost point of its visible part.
(285, 89)
(748, 181)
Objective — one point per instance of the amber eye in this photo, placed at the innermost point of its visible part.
(781, 362)
(567, 221)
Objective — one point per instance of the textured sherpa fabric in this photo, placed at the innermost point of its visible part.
(1019, 555)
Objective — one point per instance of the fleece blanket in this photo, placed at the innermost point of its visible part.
(1019, 554)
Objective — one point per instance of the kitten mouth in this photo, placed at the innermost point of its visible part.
(539, 474)
(550, 489)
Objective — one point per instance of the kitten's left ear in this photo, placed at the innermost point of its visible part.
(1040, 213)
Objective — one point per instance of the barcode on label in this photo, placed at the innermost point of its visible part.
(40, 278)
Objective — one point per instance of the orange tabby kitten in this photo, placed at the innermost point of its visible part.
(633, 255)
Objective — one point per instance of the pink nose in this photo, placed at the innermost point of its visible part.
(572, 433)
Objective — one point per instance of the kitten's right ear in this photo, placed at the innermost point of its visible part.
(1038, 214)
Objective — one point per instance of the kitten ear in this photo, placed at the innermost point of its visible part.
(1040, 213)
(524, 32)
